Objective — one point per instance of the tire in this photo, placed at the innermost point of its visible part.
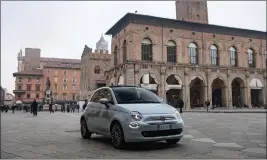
(117, 136)
(84, 130)
(172, 141)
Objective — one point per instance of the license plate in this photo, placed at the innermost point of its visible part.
(164, 127)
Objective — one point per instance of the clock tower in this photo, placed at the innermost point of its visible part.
(192, 11)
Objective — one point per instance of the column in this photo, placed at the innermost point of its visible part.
(229, 95)
(161, 87)
(247, 93)
(186, 91)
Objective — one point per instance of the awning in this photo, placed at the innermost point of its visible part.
(255, 84)
(121, 80)
(150, 86)
(18, 102)
(100, 81)
(145, 78)
(168, 87)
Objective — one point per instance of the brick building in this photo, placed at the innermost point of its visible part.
(93, 66)
(189, 58)
(33, 70)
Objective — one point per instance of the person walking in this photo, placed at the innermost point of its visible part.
(84, 105)
(181, 105)
(13, 109)
(50, 107)
(34, 107)
(207, 103)
(78, 107)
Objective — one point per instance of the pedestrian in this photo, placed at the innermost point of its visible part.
(68, 108)
(50, 107)
(6, 108)
(13, 109)
(181, 105)
(207, 103)
(34, 107)
(84, 105)
(78, 107)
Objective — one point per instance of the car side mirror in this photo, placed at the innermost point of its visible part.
(104, 101)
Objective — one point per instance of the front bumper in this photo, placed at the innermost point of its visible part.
(150, 132)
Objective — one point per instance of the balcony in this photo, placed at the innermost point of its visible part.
(18, 91)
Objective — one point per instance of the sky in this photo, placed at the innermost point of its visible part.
(62, 28)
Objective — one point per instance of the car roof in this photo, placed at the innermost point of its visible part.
(122, 86)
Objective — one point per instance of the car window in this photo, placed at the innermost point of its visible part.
(107, 94)
(135, 95)
(95, 98)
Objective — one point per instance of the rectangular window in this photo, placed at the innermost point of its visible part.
(64, 96)
(193, 55)
(29, 87)
(56, 79)
(28, 96)
(171, 54)
(74, 80)
(37, 95)
(37, 87)
(19, 87)
(214, 57)
(73, 87)
(147, 52)
(65, 73)
(65, 87)
(65, 80)
(56, 87)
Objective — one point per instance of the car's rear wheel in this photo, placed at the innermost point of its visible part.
(117, 136)
(172, 141)
(86, 134)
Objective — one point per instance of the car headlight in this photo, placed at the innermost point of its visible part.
(178, 114)
(136, 116)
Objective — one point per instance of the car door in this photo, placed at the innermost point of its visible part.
(91, 111)
(106, 112)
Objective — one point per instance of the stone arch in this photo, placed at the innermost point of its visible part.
(173, 88)
(199, 77)
(197, 91)
(149, 81)
(218, 92)
(238, 92)
(170, 42)
(256, 86)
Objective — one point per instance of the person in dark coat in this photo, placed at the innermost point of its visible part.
(207, 103)
(175, 102)
(50, 108)
(34, 107)
(13, 108)
(84, 105)
(181, 105)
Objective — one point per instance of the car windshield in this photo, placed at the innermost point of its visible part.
(126, 95)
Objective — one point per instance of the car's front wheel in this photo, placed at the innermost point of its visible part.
(117, 136)
(84, 130)
(172, 141)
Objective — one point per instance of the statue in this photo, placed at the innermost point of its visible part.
(48, 84)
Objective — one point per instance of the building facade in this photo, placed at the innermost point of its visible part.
(9, 99)
(33, 71)
(93, 67)
(189, 58)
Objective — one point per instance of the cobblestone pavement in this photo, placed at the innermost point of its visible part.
(206, 136)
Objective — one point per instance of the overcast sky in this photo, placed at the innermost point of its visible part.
(61, 29)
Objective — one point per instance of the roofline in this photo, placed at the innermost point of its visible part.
(134, 18)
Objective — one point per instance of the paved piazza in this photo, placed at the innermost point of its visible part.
(207, 136)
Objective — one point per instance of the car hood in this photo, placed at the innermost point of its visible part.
(150, 108)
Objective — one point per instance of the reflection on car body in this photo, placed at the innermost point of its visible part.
(130, 114)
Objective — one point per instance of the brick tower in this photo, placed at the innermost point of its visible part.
(192, 11)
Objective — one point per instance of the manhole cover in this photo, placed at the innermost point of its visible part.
(72, 131)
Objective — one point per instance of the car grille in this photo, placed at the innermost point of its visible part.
(162, 133)
(158, 118)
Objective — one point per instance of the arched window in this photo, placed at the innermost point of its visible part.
(171, 52)
(251, 58)
(97, 70)
(124, 48)
(146, 49)
(115, 55)
(233, 57)
(193, 53)
(214, 58)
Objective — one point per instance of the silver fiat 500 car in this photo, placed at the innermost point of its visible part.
(130, 114)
